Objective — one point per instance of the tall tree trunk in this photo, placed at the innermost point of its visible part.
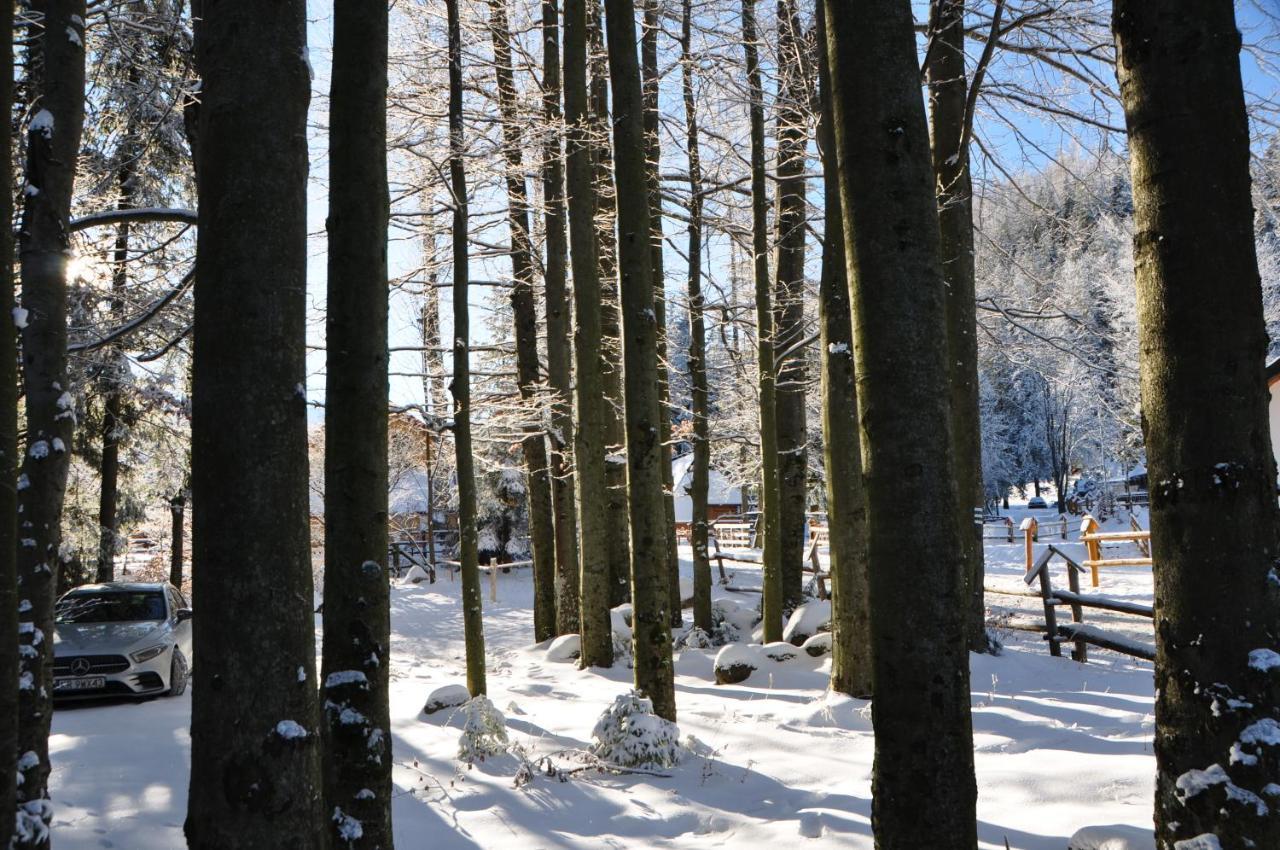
(590, 446)
(56, 81)
(842, 449)
(649, 589)
(115, 370)
(923, 785)
(649, 93)
(948, 92)
(772, 602)
(468, 554)
(524, 309)
(700, 483)
(618, 524)
(788, 301)
(434, 401)
(356, 728)
(177, 507)
(255, 737)
(8, 450)
(559, 371)
(1213, 503)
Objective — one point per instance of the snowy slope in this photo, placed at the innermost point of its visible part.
(775, 759)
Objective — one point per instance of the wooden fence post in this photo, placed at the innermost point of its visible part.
(493, 582)
(1029, 529)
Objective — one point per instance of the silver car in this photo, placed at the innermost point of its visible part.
(121, 639)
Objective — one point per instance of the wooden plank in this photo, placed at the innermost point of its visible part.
(1106, 640)
(1105, 603)
(1117, 562)
(1117, 535)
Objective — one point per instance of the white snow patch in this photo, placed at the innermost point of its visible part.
(290, 730)
(346, 677)
(1208, 841)
(1264, 660)
(20, 313)
(565, 648)
(1112, 837)
(42, 123)
(805, 621)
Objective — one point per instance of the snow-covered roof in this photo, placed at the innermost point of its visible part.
(719, 489)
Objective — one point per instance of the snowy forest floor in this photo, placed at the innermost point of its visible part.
(1059, 745)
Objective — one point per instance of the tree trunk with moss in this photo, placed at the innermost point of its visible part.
(842, 446)
(649, 589)
(923, 788)
(1204, 401)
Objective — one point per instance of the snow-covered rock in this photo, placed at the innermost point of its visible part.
(779, 651)
(819, 644)
(735, 662)
(565, 648)
(446, 696)
(629, 734)
(1113, 837)
(806, 621)
(416, 575)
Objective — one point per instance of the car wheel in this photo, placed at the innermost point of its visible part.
(178, 672)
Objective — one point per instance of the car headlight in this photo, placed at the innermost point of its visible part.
(148, 653)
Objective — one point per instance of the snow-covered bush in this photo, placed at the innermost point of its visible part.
(735, 662)
(731, 621)
(484, 731)
(695, 638)
(806, 621)
(629, 734)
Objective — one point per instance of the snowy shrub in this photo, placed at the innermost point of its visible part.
(565, 648)
(629, 734)
(735, 663)
(695, 638)
(806, 621)
(446, 696)
(730, 621)
(484, 731)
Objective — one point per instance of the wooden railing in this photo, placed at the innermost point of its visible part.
(1093, 540)
(1077, 631)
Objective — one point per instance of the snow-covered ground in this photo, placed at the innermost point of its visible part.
(1060, 745)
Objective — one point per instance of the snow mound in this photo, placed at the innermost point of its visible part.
(446, 696)
(620, 622)
(484, 731)
(779, 651)
(1113, 837)
(629, 734)
(735, 662)
(416, 575)
(565, 648)
(806, 621)
(819, 644)
(732, 619)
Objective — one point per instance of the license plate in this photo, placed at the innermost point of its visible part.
(92, 683)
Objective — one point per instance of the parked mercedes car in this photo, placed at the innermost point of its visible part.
(121, 639)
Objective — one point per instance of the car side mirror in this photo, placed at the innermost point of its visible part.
(183, 614)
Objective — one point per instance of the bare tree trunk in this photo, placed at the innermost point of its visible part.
(255, 737)
(1213, 503)
(9, 461)
(56, 79)
(649, 589)
(948, 93)
(177, 506)
(772, 601)
(923, 786)
(619, 526)
(524, 308)
(559, 372)
(851, 671)
(473, 623)
(590, 448)
(356, 728)
(788, 305)
(700, 483)
(649, 94)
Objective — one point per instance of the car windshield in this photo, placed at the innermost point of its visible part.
(111, 606)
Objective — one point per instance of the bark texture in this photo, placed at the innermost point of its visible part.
(177, 506)
(842, 448)
(255, 736)
(948, 94)
(524, 308)
(923, 788)
(56, 83)
(356, 729)
(788, 302)
(772, 600)
(649, 589)
(460, 386)
(1202, 347)
(590, 446)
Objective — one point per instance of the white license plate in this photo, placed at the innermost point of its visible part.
(91, 683)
